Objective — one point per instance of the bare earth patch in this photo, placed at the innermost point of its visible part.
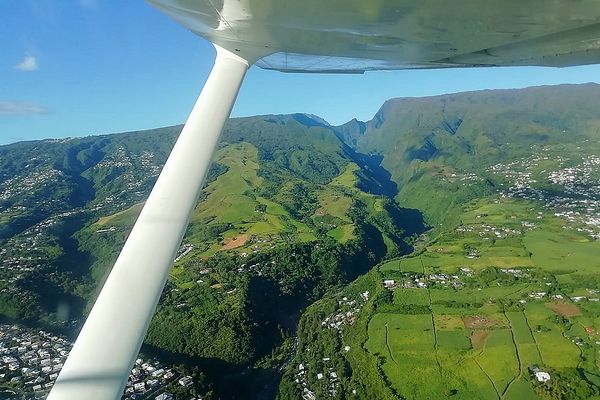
(478, 338)
(234, 242)
(565, 309)
(479, 322)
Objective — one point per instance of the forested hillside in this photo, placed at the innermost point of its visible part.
(288, 212)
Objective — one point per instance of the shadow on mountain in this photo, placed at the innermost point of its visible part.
(373, 177)
(52, 297)
(410, 220)
(231, 381)
(78, 159)
(73, 260)
(20, 223)
(424, 153)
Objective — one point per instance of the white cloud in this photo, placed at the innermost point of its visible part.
(20, 108)
(29, 63)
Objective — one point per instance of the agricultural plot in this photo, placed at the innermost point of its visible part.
(407, 344)
(529, 353)
(123, 218)
(411, 296)
(453, 341)
(555, 350)
(553, 250)
(411, 264)
(498, 358)
(520, 389)
(499, 292)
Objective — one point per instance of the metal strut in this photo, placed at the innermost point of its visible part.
(101, 359)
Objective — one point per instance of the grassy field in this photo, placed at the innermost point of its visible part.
(482, 335)
(122, 218)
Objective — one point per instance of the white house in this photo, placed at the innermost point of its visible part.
(542, 376)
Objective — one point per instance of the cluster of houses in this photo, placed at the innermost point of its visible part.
(118, 159)
(328, 375)
(255, 244)
(30, 361)
(516, 272)
(144, 166)
(574, 299)
(464, 177)
(486, 230)
(346, 312)
(30, 182)
(422, 281)
(472, 253)
(26, 252)
(148, 378)
(579, 201)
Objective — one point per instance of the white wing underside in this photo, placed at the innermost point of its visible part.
(354, 36)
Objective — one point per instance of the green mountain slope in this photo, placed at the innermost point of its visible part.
(453, 136)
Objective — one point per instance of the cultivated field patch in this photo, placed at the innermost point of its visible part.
(482, 322)
(234, 242)
(478, 338)
(565, 309)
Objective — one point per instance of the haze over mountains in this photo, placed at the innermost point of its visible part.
(294, 209)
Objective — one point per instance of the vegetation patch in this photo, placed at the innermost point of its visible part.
(481, 322)
(478, 338)
(564, 308)
(235, 242)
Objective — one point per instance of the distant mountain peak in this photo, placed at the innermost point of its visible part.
(310, 120)
(351, 131)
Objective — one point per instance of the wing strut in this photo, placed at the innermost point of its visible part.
(99, 363)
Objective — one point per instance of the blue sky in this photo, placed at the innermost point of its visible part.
(80, 67)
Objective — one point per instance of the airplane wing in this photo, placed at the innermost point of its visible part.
(344, 36)
(359, 35)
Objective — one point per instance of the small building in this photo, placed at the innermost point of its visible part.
(542, 376)
(152, 383)
(186, 381)
(308, 394)
(389, 283)
(158, 373)
(139, 387)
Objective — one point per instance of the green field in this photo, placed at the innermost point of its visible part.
(488, 331)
